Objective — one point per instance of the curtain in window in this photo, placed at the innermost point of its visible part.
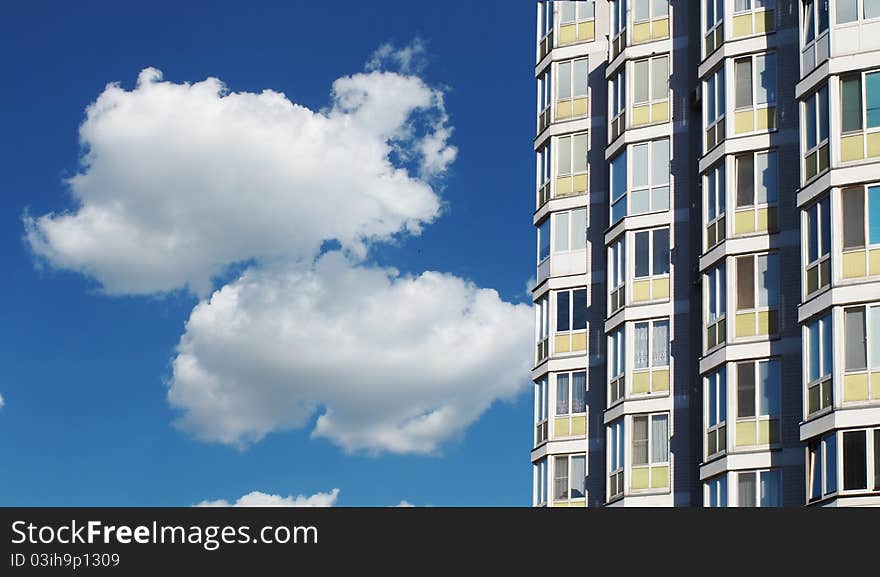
(640, 441)
(640, 350)
(562, 394)
(660, 439)
(661, 344)
(578, 477)
(747, 490)
(854, 335)
(743, 78)
(581, 74)
(768, 280)
(560, 489)
(579, 392)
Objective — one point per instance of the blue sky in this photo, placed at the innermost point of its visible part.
(85, 375)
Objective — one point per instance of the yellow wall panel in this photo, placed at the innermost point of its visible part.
(568, 34)
(580, 107)
(578, 342)
(764, 327)
(563, 186)
(855, 387)
(587, 31)
(745, 433)
(578, 425)
(578, 504)
(765, 21)
(641, 114)
(874, 261)
(873, 144)
(641, 290)
(660, 28)
(660, 112)
(563, 109)
(562, 343)
(560, 504)
(745, 325)
(742, 25)
(744, 121)
(744, 222)
(641, 382)
(581, 183)
(661, 288)
(852, 148)
(659, 477)
(765, 118)
(639, 478)
(560, 427)
(660, 380)
(641, 32)
(854, 264)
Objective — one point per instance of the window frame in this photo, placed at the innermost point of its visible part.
(569, 140)
(821, 266)
(817, 468)
(715, 385)
(572, 63)
(759, 390)
(577, 22)
(864, 130)
(820, 151)
(715, 195)
(653, 100)
(540, 482)
(717, 96)
(772, 295)
(542, 329)
(754, 80)
(617, 104)
(822, 387)
(871, 480)
(617, 272)
(615, 453)
(715, 29)
(618, 26)
(650, 367)
(872, 364)
(755, 207)
(544, 159)
(759, 496)
(568, 498)
(616, 372)
(542, 418)
(572, 331)
(715, 321)
(651, 442)
(715, 489)
(860, 16)
(650, 188)
(572, 235)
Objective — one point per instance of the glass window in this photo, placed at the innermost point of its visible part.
(541, 480)
(743, 74)
(756, 281)
(716, 492)
(757, 389)
(715, 107)
(570, 230)
(544, 240)
(877, 459)
(872, 8)
(562, 390)
(618, 187)
(579, 392)
(715, 411)
(855, 462)
(853, 217)
(759, 488)
(846, 11)
(650, 177)
(617, 273)
(819, 363)
(755, 80)
(818, 245)
(855, 351)
(560, 477)
(851, 103)
(578, 477)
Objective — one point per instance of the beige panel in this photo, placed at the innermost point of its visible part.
(660, 112)
(764, 323)
(873, 144)
(765, 118)
(563, 109)
(560, 504)
(641, 32)
(874, 261)
(745, 325)
(562, 343)
(744, 222)
(743, 121)
(854, 264)
(660, 28)
(745, 433)
(567, 34)
(561, 427)
(639, 478)
(660, 380)
(763, 221)
(875, 385)
(580, 107)
(660, 288)
(659, 477)
(641, 114)
(765, 21)
(578, 504)
(641, 382)
(587, 31)
(579, 426)
(742, 25)
(563, 186)
(852, 147)
(855, 387)
(578, 342)
(580, 183)
(641, 290)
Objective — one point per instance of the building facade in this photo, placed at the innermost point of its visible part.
(708, 285)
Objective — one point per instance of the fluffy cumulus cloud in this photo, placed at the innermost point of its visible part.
(2, 402)
(388, 362)
(181, 180)
(258, 499)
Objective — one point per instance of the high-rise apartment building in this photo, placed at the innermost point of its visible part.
(708, 253)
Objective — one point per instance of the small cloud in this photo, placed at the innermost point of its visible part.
(2, 402)
(404, 503)
(410, 59)
(258, 499)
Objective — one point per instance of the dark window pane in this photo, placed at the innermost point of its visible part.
(813, 233)
(562, 314)
(851, 103)
(642, 248)
(743, 78)
(825, 219)
(855, 462)
(877, 459)
(661, 251)
(579, 310)
(853, 217)
(745, 283)
(745, 390)
(854, 340)
(745, 180)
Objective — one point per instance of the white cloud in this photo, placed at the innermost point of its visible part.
(389, 363)
(405, 503)
(407, 59)
(258, 499)
(179, 181)
(2, 402)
